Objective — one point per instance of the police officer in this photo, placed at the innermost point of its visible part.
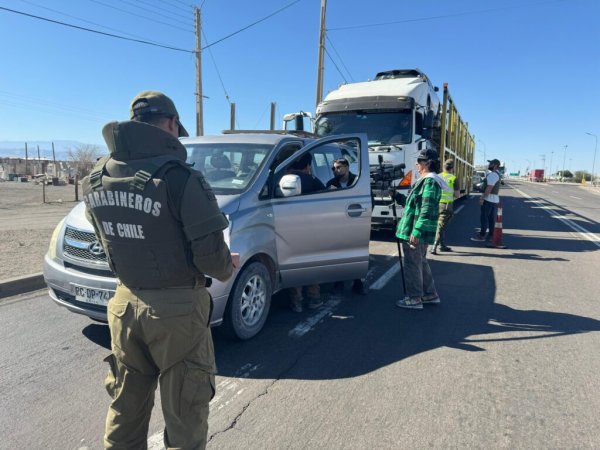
(446, 206)
(161, 227)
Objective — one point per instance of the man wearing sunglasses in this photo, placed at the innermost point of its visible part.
(342, 177)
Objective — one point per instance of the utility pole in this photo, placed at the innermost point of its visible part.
(564, 161)
(199, 110)
(26, 161)
(544, 163)
(594, 162)
(272, 116)
(551, 155)
(232, 116)
(484, 151)
(320, 66)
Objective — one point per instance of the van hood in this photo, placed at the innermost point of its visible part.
(77, 218)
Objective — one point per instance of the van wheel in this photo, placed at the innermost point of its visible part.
(249, 302)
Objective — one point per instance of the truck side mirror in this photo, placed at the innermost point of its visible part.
(428, 123)
(290, 185)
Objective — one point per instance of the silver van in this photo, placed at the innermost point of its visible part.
(284, 238)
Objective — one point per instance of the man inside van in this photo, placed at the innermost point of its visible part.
(303, 168)
(342, 177)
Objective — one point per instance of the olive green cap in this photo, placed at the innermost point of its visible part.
(149, 103)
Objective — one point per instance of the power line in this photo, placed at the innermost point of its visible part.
(252, 24)
(338, 55)
(184, 3)
(165, 9)
(336, 66)
(217, 69)
(83, 20)
(98, 32)
(140, 16)
(161, 14)
(140, 41)
(422, 19)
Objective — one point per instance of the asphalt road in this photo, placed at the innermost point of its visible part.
(508, 360)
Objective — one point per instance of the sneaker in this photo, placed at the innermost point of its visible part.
(445, 248)
(314, 303)
(296, 305)
(430, 299)
(434, 250)
(478, 238)
(410, 302)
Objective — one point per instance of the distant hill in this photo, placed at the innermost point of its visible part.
(61, 148)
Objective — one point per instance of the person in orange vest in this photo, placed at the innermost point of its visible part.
(446, 207)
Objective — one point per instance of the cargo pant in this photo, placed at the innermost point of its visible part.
(446, 213)
(417, 273)
(159, 336)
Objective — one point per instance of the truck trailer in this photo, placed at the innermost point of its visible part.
(401, 114)
(536, 175)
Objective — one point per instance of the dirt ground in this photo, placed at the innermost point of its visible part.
(26, 224)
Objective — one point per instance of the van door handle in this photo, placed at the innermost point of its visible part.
(355, 210)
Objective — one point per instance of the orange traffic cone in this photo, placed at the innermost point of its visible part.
(497, 236)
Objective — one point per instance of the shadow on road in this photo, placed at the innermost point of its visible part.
(520, 213)
(98, 333)
(362, 334)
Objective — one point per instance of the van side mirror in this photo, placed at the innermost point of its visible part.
(290, 185)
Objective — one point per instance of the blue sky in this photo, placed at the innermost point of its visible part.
(524, 74)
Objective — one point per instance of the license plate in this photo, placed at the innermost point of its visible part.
(93, 296)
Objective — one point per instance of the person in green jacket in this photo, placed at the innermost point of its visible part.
(417, 229)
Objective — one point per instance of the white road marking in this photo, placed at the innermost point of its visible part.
(577, 198)
(155, 442)
(304, 327)
(382, 281)
(458, 209)
(574, 226)
(556, 192)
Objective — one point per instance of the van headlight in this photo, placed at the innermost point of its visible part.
(52, 249)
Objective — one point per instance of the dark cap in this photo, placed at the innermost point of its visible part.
(427, 155)
(494, 162)
(449, 164)
(154, 103)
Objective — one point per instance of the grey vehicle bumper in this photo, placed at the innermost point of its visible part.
(61, 280)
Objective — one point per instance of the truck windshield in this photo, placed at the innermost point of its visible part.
(229, 168)
(382, 128)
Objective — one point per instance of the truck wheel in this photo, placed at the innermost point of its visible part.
(249, 302)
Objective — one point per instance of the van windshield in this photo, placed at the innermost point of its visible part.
(228, 167)
(381, 127)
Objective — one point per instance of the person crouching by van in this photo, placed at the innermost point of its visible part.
(417, 230)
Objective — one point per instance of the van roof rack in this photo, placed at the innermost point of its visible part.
(299, 133)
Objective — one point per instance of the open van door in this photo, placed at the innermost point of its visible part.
(323, 236)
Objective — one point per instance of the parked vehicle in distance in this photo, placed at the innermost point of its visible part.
(536, 175)
(478, 179)
(284, 238)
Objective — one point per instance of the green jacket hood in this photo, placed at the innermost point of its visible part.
(132, 140)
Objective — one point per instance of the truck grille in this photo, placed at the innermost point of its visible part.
(83, 245)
